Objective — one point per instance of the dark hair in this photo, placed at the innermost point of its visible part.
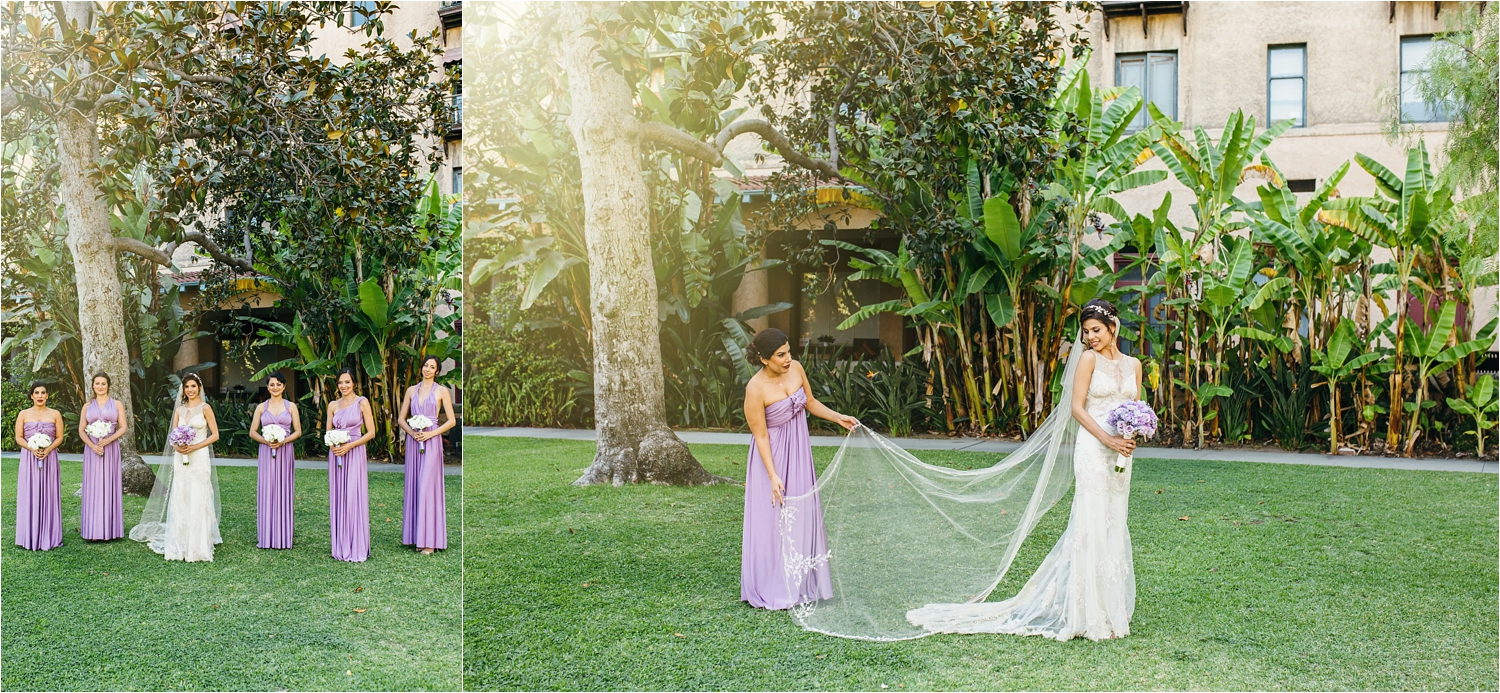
(191, 377)
(764, 345)
(1101, 310)
(100, 374)
(429, 357)
(352, 380)
(277, 377)
(36, 384)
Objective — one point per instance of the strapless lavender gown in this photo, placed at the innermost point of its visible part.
(763, 580)
(424, 514)
(349, 492)
(38, 502)
(274, 485)
(102, 514)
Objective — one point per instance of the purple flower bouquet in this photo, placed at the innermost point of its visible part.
(1132, 419)
(181, 435)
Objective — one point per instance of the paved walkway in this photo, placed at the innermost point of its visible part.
(981, 445)
(448, 469)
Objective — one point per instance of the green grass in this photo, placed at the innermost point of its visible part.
(115, 616)
(1282, 577)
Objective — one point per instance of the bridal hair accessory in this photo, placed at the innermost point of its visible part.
(1131, 419)
(38, 443)
(99, 429)
(420, 423)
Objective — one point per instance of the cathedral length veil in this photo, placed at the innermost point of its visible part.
(903, 534)
(152, 529)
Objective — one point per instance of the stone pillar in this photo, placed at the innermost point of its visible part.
(754, 291)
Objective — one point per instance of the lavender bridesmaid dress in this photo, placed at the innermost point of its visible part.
(763, 581)
(103, 516)
(424, 515)
(349, 492)
(274, 493)
(38, 505)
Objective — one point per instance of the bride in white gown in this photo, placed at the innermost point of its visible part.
(181, 520)
(1086, 585)
(915, 549)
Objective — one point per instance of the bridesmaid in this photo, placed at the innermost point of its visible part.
(277, 471)
(777, 401)
(424, 514)
(38, 502)
(348, 483)
(102, 514)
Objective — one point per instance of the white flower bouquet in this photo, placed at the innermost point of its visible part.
(38, 443)
(420, 423)
(100, 430)
(273, 433)
(335, 438)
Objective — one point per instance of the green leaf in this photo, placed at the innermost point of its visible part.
(1002, 227)
(373, 304)
(551, 265)
(1001, 307)
(867, 312)
(761, 311)
(370, 359)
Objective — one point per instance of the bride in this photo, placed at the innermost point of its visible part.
(915, 549)
(181, 520)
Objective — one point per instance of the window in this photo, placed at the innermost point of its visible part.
(1155, 74)
(1302, 185)
(1286, 84)
(1414, 108)
(458, 180)
(360, 12)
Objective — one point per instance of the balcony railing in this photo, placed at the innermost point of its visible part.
(456, 116)
(451, 12)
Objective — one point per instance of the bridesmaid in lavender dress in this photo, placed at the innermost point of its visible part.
(424, 514)
(777, 401)
(103, 516)
(277, 472)
(38, 505)
(348, 482)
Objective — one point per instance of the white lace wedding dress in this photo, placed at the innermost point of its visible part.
(1086, 585)
(191, 527)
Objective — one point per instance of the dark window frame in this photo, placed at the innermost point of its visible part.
(1146, 82)
(1269, 79)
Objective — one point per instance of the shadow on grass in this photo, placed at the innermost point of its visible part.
(115, 616)
(1281, 577)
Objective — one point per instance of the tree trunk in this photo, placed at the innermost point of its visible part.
(634, 442)
(101, 320)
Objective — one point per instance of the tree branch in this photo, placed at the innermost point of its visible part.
(195, 79)
(163, 256)
(778, 142)
(681, 141)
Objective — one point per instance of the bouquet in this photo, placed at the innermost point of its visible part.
(1131, 419)
(38, 443)
(334, 438)
(100, 430)
(273, 433)
(181, 435)
(420, 423)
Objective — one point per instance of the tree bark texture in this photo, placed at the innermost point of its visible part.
(634, 442)
(101, 318)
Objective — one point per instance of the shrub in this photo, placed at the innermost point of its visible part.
(516, 380)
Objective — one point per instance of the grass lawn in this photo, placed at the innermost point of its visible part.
(1282, 577)
(115, 616)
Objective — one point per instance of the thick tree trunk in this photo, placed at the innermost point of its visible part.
(101, 321)
(634, 442)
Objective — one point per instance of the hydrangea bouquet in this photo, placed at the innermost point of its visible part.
(1132, 419)
(181, 435)
(420, 423)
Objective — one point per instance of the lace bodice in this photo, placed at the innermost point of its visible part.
(1113, 383)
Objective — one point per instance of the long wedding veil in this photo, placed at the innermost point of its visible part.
(152, 529)
(903, 534)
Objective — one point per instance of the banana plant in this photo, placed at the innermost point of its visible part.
(1228, 292)
(1481, 405)
(1406, 218)
(1430, 349)
(1334, 364)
